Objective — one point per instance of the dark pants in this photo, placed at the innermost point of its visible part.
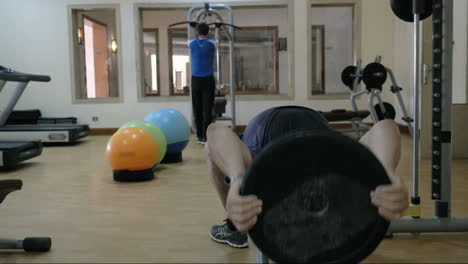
(203, 92)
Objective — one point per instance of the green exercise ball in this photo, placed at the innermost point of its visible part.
(155, 131)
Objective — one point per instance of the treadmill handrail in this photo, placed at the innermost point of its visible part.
(14, 76)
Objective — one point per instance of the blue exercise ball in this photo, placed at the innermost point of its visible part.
(175, 127)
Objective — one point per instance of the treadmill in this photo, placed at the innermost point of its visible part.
(14, 152)
(47, 133)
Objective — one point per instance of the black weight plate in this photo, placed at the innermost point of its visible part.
(347, 76)
(374, 76)
(403, 9)
(315, 190)
(389, 111)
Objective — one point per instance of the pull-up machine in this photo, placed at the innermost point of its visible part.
(198, 14)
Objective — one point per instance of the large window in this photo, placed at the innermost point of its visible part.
(261, 64)
(151, 62)
(332, 46)
(95, 49)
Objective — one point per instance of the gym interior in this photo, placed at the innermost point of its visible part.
(80, 77)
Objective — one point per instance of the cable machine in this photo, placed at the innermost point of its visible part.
(198, 14)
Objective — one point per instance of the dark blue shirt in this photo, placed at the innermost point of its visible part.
(202, 52)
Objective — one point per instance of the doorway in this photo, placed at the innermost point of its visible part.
(96, 56)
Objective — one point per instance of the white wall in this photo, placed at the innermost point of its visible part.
(35, 38)
(460, 31)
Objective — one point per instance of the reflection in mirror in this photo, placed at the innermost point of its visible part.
(179, 61)
(96, 71)
(318, 54)
(261, 66)
(334, 40)
(256, 60)
(151, 62)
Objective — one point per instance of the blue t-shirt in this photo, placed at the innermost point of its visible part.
(202, 52)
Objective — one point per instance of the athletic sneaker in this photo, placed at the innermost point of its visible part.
(223, 234)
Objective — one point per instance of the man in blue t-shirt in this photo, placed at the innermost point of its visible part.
(202, 52)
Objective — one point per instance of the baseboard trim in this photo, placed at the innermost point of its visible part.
(103, 131)
(241, 129)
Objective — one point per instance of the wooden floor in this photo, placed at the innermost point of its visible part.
(69, 195)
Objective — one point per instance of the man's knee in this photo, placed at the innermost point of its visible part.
(215, 128)
(207, 149)
(389, 125)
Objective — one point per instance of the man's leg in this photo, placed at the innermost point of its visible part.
(208, 103)
(384, 140)
(197, 106)
(227, 157)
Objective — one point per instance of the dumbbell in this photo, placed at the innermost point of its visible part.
(374, 76)
(348, 75)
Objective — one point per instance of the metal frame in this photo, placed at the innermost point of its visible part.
(358, 125)
(441, 129)
(396, 90)
(208, 10)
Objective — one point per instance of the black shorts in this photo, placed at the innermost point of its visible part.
(279, 121)
(276, 122)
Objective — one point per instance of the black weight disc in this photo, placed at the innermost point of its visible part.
(389, 111)
(347, 76)
(403, 9)
(315, 187)
(374, 76)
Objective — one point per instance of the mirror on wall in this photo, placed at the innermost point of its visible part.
(261, 63)
(151, 61)
(95, 53)
(332, 46)
(179, 62)
(318, 55)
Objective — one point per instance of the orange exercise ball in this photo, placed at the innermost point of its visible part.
(132, 153)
